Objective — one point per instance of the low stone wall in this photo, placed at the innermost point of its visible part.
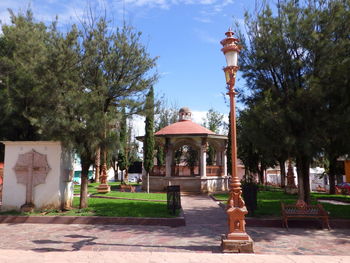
(196, 184)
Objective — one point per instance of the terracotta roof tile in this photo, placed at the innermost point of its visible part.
(184, 127)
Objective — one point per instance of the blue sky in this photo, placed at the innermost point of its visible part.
(185, 34)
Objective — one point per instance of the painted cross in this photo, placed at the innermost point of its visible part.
(31, 169)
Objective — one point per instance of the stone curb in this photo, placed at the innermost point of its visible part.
(171, 222)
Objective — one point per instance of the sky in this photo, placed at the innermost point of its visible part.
(185, 35)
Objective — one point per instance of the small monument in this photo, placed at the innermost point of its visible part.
(31, 170)
(37, 175)
(104, 187)
(291, 188)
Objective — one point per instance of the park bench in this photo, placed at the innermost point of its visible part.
(303, 210)
(124, 186)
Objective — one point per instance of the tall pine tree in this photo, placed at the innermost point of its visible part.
(148, 144)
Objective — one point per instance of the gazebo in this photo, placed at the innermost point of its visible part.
(186, 146)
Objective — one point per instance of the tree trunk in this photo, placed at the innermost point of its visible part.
(332, 172)
(261, 174)
(303, 170)
(98, 165)
(300, 179)
(121, 175)
(84, 183)
(283, 172)
(126, 173)
(147, 182)
(115, 175)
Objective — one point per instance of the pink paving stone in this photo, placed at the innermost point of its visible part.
(200, 236)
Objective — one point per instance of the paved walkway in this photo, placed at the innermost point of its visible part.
(205, 222)
(12, 256)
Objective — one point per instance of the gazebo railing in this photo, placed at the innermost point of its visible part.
(182, 170)
(179, 170)
(214, 170)
(158, 170)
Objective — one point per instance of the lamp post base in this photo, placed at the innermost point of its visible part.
(236, 246)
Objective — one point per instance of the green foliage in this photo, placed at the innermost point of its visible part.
(191, 158)
(123, 161)
(211, 155)
(297, 89)
(70, 86)
(165, 115)
(148, 144)
(213, 120)
(160, 155)
(255, 143)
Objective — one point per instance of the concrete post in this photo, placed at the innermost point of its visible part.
(168, 158)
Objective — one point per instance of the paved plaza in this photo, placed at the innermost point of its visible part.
(205, 222)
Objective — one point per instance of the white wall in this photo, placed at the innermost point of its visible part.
(57, 190)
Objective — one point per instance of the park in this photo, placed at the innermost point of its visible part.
(98, 164)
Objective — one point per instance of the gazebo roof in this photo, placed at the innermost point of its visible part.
(184, 127)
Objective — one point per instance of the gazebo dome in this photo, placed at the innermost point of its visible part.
(184, 126)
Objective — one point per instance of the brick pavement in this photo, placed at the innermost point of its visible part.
(205, 220)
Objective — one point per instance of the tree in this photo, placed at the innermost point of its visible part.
(70, 86)
(288, 59)
(164, 116)
(123, 141)
(331, 79)
(274, 64)
(254, 142)
(32, 57)
(148, 144)
(213, 121)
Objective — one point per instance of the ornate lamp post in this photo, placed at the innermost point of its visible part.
(237, 240)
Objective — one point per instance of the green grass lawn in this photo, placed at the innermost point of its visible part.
(109, 207)
(151, 196)
(92, 187)
(112, 207)
(120, 208)
(269, 204)
(345, 198)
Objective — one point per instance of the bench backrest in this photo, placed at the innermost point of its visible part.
(303, 210)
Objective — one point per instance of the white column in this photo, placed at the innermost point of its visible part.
(224, 162)
(168, 158)
(203, 154)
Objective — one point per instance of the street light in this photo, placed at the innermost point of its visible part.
(237, 240)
